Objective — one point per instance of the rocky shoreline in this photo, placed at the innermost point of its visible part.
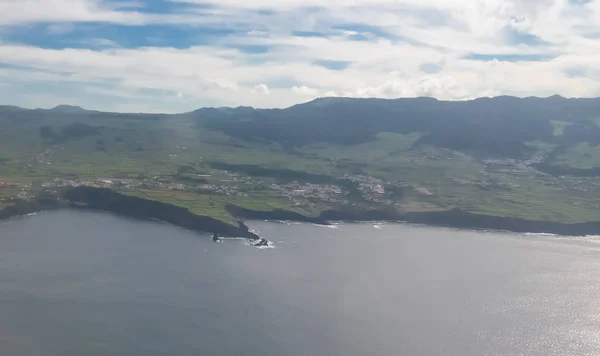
(40, 203)
(451, 218)
(111, 201)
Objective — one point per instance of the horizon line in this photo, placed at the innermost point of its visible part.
(82, 109)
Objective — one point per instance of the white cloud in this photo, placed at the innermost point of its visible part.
(19, 12)
(306, 91)
(23, 11)
(101, 42)
(387, 44)
(60, 28)
(261, 89)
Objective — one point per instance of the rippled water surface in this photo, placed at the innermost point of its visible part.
(87, 283)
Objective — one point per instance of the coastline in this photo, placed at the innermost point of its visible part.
(111, 201)
(452, 218)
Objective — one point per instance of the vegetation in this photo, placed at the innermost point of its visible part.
(581, 156)
(559, 127)
(529, 158)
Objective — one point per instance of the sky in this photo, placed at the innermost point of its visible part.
(180, 55)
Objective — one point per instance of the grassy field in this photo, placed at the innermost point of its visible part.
(541, 146)
(215, 205)
(386, 144)
(583, 156)
(559, 127)
(178, 151)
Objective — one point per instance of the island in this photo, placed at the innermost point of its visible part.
(523, 165)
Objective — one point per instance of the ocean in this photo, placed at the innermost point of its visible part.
(91, 283)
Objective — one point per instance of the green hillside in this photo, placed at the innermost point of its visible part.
(530, 158)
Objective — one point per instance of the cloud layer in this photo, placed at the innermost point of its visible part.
(177, 55)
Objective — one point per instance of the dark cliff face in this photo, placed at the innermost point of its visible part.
(285, 215)
(451, 218)
(360, 215)
(108, 200)
(460, 219)
(42, 202)
(20, 209)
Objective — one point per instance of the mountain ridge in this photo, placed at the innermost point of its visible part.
(78, 109)
(532, 158)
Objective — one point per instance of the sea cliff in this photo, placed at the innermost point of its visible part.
(111, 201)
(451, 218)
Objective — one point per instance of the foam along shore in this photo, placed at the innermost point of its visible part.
(111, 201)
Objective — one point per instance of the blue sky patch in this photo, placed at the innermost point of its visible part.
(333, 65)
(159, 6)
(309, 34)
(515, 37)
(86, 36)
(252, 49)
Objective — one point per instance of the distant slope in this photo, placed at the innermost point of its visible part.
(491, 126)
(504, 126)
(68, 113)
(69, 109)
(535, 159)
